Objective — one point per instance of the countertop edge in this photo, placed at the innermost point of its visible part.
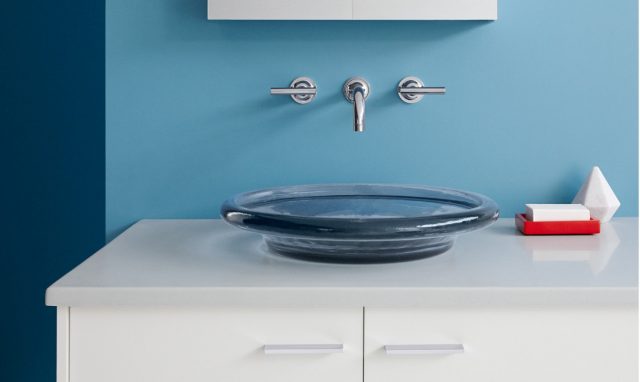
(340, 297)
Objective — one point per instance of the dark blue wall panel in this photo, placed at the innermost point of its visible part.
(52, 156)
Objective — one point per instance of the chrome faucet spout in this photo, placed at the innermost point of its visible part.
(356, 91)
(358, 110)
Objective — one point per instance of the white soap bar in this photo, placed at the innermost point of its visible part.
(557, 212)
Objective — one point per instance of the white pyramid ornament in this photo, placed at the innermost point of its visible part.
(597, 196)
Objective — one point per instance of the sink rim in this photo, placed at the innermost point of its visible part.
(238, 212)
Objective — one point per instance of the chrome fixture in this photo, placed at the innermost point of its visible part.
(427, 349)
(303, 349)
(302, 90)
(356, 91)
(412, 90)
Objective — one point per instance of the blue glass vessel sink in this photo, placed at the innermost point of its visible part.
(359, 223)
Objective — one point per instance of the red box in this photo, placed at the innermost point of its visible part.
(527, 227)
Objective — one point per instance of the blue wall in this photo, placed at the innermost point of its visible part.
(534, 100)
(52, 159)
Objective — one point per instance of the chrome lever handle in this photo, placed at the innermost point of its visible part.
(412, 90)
(302, 90)
(304, 349)
(292, 91)
(440, 90)
(425, 349)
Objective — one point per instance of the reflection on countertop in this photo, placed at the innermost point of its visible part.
(592, 250)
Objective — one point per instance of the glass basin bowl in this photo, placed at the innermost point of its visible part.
(359, 223)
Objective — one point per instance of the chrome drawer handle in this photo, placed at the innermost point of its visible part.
(304, 349)
(427, 349)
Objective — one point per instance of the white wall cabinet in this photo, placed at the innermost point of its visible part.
(280, 10)
(198, 344)
(352, 9)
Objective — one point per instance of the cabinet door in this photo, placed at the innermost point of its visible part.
(207, 344)
(516, 344)
(280, 9)
(425, 10)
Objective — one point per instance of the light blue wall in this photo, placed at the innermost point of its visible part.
(534, 100)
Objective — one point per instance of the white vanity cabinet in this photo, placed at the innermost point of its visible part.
(352, 9)
(198, 300)
(202, 344)
(525, 344)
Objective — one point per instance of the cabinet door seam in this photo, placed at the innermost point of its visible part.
(363, 344)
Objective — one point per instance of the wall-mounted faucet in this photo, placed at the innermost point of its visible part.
(356, 91)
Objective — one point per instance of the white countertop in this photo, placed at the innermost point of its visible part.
(177, 262)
